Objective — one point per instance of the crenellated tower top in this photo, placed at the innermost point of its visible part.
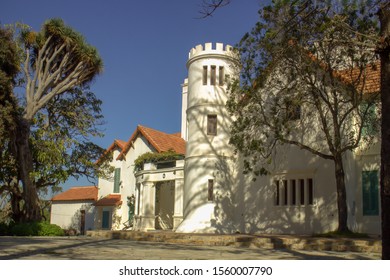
(219, 50)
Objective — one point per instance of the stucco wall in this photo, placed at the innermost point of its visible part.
(120, 215)
(67, 214)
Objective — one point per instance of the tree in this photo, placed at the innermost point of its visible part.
(208, 7)
(384, 52)
(9, 68)
(55, 119)
(305, 63)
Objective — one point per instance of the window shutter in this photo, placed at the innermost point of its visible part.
(117, 179)
(370, 190)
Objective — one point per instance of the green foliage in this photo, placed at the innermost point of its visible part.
(47, 132)
(36, 229)
(9, 67)
(291, 90)
(55, 33)
(303, 79)
(4, 229)
(154, 158)
(60, 138)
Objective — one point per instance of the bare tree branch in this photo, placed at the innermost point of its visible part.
(210, 6)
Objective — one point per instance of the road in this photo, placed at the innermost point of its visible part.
(87, 248)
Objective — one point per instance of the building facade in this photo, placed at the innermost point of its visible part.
(206, 190)
(74, 209)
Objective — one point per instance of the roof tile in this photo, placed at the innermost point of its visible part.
(116, 144)
(161, 141)
(78, 193)
(368, 81)
(110, 200)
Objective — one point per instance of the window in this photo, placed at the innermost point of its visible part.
(294, 192)
(277, 193)
(117, 178)
(370, 125)
(204, 78)
(212, 125)
(213, 75)
(210, 195)
(285, 193)
(293, 110)
(221, 75)
(370, 193)
(165, 164)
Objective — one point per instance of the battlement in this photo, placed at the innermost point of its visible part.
(208, 48)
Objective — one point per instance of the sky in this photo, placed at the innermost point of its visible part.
(144, 45)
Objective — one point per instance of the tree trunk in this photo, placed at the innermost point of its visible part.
(15, 206)
(384, 16)
(341, 194)
(31, 209)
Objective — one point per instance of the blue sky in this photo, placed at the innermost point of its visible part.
(144, 46)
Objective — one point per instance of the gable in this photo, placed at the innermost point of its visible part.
(158, 140)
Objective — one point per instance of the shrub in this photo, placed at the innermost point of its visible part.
(47, 229)
(36, 229)
(4, 229)
(24, 229)
(154, 158)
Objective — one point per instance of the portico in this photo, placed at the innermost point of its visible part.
(159, 196)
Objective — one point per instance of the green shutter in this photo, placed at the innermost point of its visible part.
(105, 219)
(370, 186)
(117, 179)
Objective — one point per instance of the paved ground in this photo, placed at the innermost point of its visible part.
(87, 248)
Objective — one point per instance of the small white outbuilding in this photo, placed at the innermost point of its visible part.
(74, 209)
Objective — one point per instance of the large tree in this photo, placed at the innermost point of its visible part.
(305, 64)
(9, 68)
(54, 118)
(384, 52)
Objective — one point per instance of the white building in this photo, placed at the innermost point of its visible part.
(74, 208)
(207, 191)
(113, 210)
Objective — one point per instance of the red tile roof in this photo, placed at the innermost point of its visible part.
(116, 144)
(120, 143)
(161, 141)
(178, 134)
(78, 193)
(367, 81)
(110, 200)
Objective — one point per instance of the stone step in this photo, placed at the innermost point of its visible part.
(241, 240)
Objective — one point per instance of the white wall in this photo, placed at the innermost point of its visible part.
(120, 215)
(243, 205)
(206, 155)
(67, 214)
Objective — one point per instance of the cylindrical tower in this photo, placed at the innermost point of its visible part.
(207, 167)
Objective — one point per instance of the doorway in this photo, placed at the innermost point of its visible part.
(82, 222)
(105, 219)
(164, 205)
